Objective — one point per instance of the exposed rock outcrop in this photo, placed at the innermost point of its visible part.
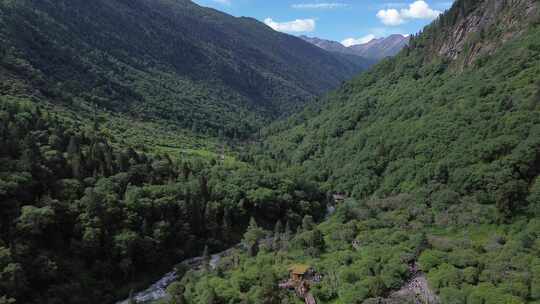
(473, 29)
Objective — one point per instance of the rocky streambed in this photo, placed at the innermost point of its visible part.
(158, 290)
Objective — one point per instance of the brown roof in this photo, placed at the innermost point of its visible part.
(299, 268)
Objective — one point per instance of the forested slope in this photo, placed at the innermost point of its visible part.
(461, 117)
(107, 109)
(85, 221)
(190, 66)
(438, 152)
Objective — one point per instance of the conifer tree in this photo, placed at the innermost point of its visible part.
(176, 292)
(307, 223)
(206, 259)
(286, 237)
(276, 242)
(252, 237)
(211, 297)
(226, 226)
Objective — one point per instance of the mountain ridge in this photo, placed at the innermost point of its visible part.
(195, 67)
(375, 49)
(487, 25)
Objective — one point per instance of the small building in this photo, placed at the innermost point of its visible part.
(300, 272)
(339, 198)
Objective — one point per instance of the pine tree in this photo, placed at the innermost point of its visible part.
(211, 297)
(276, 244)
(108, 159)
(307, 223)
(211, 220)
(226, 226)
(186, 170)
(206, 259)
(122, 162)
(252, 237)
(31, 157)
(176, 292)
(133, 156)
(277, 228)
(288, 232)
(536, 100)
(205, 192)
(318, 240)
(269, 289)
(286, 237)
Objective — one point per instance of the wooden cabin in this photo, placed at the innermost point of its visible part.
(300, 272)
(339, 198)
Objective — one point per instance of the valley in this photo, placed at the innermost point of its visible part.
(163, 152)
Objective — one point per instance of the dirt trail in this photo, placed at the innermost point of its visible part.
(309, 299)
(419, 289)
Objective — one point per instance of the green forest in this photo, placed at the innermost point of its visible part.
(193, 68)
(84, 222)
(118, 161)
(440, 160)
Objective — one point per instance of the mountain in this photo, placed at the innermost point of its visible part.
(338, 50)
(114, 119)
(417, 181)
(381, 47)
(436, 154)
(329, 45)
(426, 117)
(194, 67)
(375, 49)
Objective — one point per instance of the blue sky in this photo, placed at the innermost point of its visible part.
(349, 21)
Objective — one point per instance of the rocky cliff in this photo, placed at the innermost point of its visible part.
(473, 29)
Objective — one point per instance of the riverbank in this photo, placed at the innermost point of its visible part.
(158, 290)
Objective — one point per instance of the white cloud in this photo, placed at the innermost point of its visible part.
(417, 10)
(390, 17)
(319, 5)
(420, 10)
(354, 41)
(296, 26)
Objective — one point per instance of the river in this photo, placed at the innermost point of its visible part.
(158, 290)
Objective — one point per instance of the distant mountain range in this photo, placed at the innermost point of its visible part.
(375, 49)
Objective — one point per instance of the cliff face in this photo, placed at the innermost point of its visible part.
(473, 29)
